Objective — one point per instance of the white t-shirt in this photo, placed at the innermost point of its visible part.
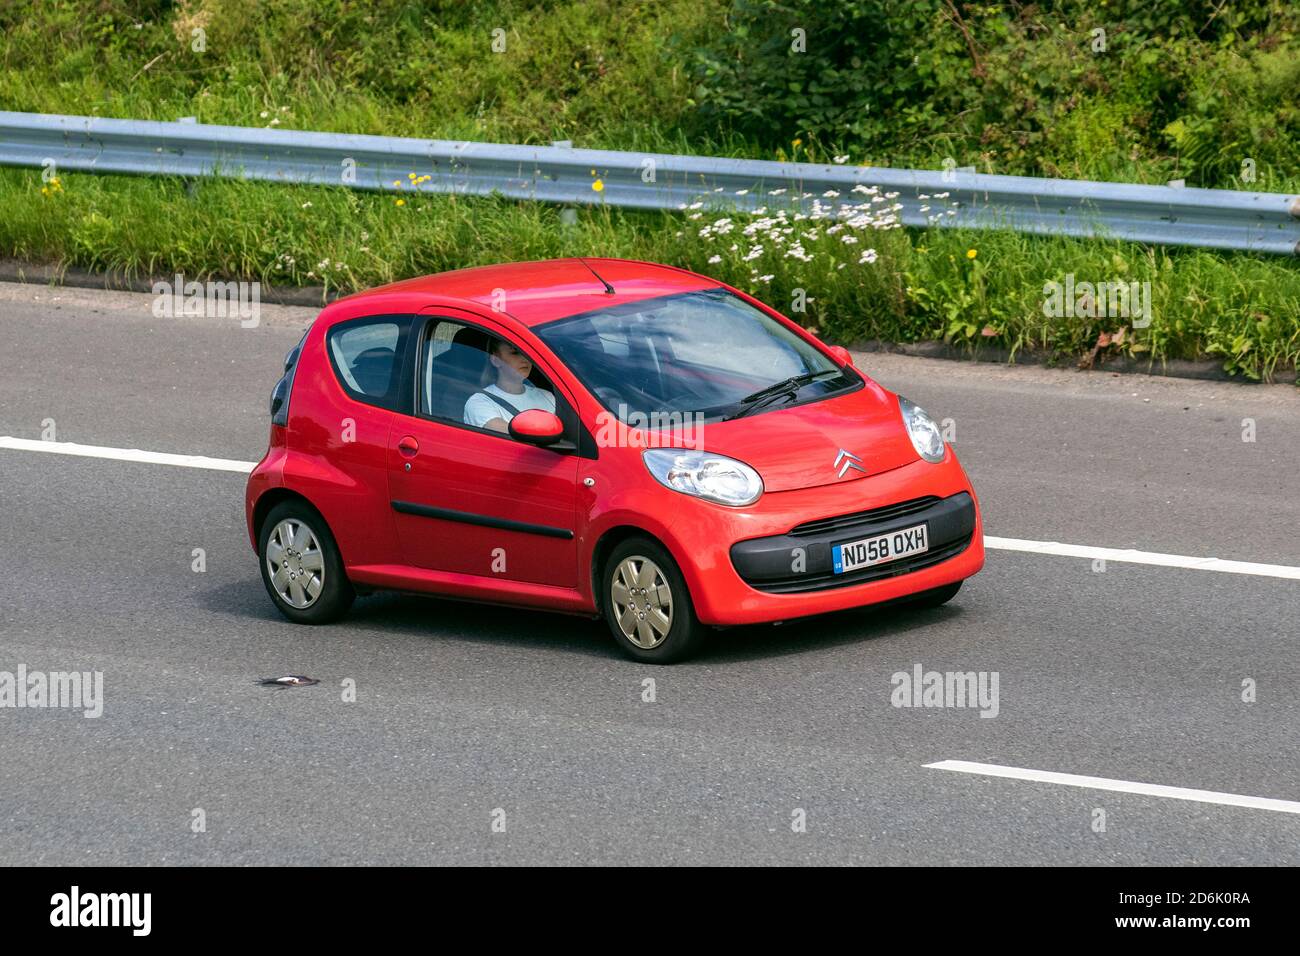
(480, 409)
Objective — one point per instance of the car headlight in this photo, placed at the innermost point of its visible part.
(925, 434)
(712, 477)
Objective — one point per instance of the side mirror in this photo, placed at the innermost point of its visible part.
(536, 427)
(841, 355)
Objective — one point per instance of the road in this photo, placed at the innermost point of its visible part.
(466, 714)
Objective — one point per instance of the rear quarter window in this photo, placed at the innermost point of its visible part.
(367, 357)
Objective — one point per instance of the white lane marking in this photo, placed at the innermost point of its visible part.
(126, 454)
(998, 544)
(1119, 786)
(1143, 557)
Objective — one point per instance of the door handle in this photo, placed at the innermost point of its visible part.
(408, 446)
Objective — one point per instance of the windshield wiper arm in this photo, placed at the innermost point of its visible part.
(796, 382)
(787, 387)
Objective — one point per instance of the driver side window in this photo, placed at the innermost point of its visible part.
(473, 378)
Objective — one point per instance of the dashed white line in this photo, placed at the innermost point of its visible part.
(1127, 555)
(1119, 786)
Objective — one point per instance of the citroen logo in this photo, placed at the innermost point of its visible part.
(850, 460)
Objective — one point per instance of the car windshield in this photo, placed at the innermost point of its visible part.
(706, 353)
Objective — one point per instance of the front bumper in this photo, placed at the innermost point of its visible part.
(801, 561)
(738, 564)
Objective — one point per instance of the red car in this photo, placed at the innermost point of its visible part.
(604, 438)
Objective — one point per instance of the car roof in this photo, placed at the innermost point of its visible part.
(542, 291)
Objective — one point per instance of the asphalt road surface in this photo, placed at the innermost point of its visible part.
(777, 745)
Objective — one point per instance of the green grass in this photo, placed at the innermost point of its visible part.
(923, 285)
(593, 70)
(619, 74)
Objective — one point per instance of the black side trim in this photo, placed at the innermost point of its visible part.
(426, 511)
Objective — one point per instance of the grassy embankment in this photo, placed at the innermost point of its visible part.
(1024, 95)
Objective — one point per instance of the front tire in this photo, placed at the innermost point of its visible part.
(645, 602)
(301, 565)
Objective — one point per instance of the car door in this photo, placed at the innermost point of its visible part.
(471, 501)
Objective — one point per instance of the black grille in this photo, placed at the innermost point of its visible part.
(845, 522)
(822, 582)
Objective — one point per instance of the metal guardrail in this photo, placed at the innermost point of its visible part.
(1215, 218)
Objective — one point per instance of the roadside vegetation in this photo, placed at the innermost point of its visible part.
(1200, 91)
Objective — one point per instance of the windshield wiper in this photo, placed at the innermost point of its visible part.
(795, 383)
(787, 387)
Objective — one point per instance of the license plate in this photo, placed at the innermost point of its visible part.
(877, 550)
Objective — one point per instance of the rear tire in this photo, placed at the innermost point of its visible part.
(646, 604)
(301, 565)
(937, 596)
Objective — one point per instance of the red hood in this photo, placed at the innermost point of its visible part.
(797, 447)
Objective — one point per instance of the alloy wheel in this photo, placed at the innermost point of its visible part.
(296, 563)
(643, 601)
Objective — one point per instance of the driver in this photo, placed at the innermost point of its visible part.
(511, 393)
